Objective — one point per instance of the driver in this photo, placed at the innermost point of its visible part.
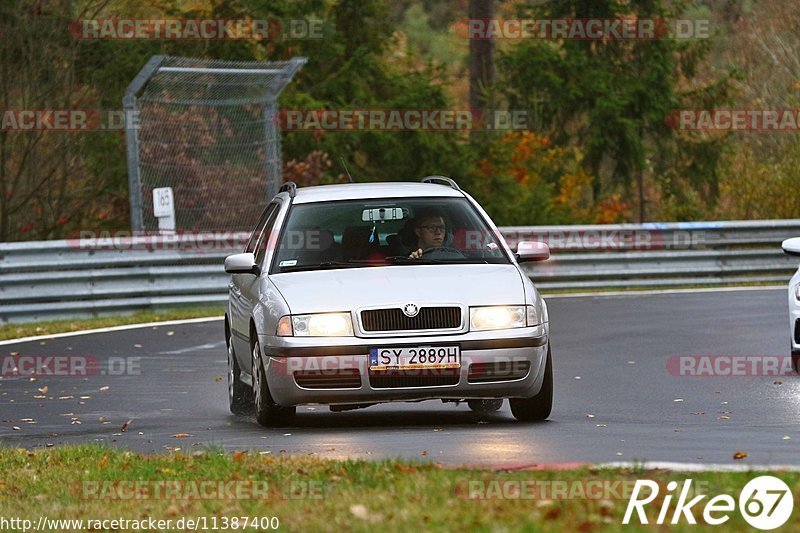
(430, 229)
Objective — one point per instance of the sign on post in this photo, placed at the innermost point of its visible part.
(164, 208)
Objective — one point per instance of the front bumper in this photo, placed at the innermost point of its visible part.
(523, 348)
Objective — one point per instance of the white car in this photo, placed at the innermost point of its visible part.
(356, 294)
(792, 247)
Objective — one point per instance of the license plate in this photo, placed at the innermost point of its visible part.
(417, 357)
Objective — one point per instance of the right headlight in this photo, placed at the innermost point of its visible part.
(316, 325)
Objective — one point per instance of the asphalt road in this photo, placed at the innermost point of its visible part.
(615, 397)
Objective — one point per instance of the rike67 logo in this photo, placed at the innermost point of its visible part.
(765, 503)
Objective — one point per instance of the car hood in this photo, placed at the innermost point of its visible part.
(350, 288)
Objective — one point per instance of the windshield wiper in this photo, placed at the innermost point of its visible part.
(320, 266)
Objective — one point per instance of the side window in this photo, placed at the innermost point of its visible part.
(261, 246)
(251, 244)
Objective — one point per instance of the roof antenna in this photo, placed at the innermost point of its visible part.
(345, 169)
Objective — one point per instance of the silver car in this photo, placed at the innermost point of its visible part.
(357, 294)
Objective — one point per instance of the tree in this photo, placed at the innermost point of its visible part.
(613, 98)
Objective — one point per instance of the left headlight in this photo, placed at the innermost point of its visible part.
(317, 325)
(499, 317)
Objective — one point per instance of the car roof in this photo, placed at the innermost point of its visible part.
(356, 191)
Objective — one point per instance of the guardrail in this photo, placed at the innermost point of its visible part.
(50, 280)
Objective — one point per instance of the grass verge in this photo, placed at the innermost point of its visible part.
(309, 494)
(15, 331)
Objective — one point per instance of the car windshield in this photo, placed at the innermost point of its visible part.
(377, 232)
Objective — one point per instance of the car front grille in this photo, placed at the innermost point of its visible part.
(393, 379)
(374, 320)
(498, 371)
(344, 378)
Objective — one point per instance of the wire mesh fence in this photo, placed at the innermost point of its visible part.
(208, 130)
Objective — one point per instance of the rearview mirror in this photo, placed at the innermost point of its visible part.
(791, 246)
(382, 213)
(532, 251)
(242, 264)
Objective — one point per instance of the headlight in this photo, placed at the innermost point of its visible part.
(797, 291)
(321, 325)
(497, 317)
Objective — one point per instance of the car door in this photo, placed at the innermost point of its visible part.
(238, 313)
(248, 284)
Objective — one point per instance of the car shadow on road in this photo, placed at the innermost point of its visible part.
(400, 419)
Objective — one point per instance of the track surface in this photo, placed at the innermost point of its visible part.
(610, 360)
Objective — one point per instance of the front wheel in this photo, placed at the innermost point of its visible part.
(268, 413)
(537, 407)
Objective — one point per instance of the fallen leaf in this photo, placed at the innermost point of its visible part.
(600, 425)
(15, 428)
(724, 417)
(218, 379)
(359, 511)
(170, 333)
(589, 415)
(125, 425)
(239, 456)
(424, 452)
(740, 455)
(786, 437)
(137, 345)
(182, 435)
(105, 388)
(34, 379)
(677, 400)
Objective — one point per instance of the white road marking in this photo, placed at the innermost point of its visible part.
(206, 346)
(110, 329)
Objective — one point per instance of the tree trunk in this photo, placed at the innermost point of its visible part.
(481, 62)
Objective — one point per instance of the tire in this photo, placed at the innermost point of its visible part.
(240, 396)
(796, 360)
(485, 406)
(268, 413)
(538, 407)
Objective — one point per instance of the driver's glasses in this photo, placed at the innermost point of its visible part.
(439, 228)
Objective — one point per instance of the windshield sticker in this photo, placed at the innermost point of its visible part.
(289, 263)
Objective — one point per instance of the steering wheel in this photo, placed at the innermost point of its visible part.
(443, 249)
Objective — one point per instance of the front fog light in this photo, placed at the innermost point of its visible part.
(323, 325)
(496, 317)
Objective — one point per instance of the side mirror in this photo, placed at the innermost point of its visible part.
(242, 264)
(791, 246)
(532, 251)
